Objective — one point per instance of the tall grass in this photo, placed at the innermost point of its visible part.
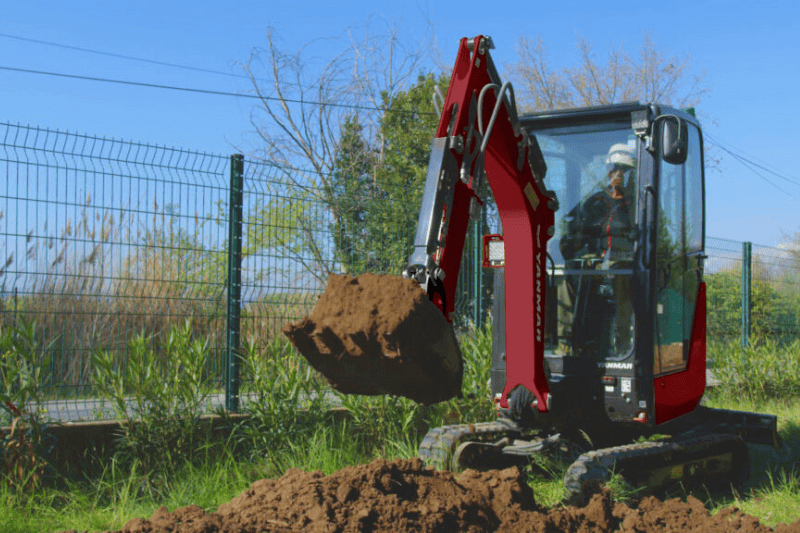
(764, 369)
(110, 275)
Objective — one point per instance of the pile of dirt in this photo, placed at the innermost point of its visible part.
(378, 334)
(404, 496)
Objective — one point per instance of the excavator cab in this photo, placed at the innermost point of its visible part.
(624, 265)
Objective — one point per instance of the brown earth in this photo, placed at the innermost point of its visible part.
(404, 496)
(378, 334)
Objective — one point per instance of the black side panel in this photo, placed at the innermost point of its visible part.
(499, 333)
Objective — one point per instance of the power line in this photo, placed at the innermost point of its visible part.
(122, 56)
(176, 65)
(205, 91)
(752, 166)
(138, 84)
(751, 160)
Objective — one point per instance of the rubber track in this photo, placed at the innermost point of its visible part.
(594, 468)
(439, 445)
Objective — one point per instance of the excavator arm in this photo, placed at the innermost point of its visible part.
(479, 137)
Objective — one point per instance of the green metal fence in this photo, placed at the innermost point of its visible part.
(753, 291)
(103, 240)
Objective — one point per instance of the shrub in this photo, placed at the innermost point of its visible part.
(283, 398)
(24, 450)
(158, 393)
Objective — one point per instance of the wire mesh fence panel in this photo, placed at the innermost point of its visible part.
(723, 277)
(774, 296)
(286, 252)
(105, 240)
(775, 293)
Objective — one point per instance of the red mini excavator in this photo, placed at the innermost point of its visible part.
(599, 318)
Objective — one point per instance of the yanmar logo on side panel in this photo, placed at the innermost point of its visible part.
(616, 366)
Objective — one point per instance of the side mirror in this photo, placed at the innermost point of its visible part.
(674, 140)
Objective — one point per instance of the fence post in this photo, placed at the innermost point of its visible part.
(747, 278)
(477, 274)
(234, 284)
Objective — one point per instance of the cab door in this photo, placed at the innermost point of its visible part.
(679, 363)
(679, 257)
(669, 350)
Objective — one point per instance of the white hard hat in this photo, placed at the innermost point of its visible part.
(620, 154)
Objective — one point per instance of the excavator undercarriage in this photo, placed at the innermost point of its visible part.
(708, 447)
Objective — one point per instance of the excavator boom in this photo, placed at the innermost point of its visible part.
(479, 138)
(479, 131)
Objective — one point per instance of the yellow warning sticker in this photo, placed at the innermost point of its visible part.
(531, 194)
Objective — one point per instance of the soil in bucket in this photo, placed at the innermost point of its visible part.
(379, 334)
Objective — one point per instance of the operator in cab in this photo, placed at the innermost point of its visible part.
(599, 240)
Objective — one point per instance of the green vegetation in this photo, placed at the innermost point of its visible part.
(375, 191)
(276, 436)
(22, 365)
(774, 305)
(765, 369)
(163, 459)
(168, 385)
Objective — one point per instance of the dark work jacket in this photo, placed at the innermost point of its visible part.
(597, 224)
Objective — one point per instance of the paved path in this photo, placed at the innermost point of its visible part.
(90, 409)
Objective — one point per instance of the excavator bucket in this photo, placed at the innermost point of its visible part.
(380, 334)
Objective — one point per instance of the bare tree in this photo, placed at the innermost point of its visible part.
(539, 87)
(650, 76)
(299, 119)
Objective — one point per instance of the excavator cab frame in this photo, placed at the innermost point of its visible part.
(632, 346)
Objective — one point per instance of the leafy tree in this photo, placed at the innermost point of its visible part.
(406, 130)
(352, 186)
(377, 190)
(724, 296)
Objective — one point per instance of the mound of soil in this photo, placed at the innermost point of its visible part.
(378, 334)
(404, 496)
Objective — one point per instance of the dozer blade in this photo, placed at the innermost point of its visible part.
(379, 334)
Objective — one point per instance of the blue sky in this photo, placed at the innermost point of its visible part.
(750, 55)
